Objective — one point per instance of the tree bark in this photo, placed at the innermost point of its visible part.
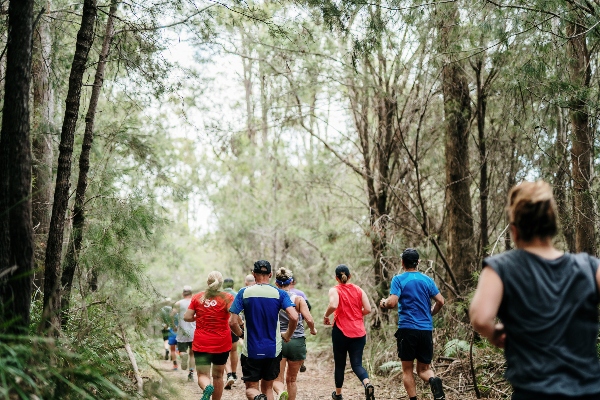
(75, 242)
(561, 182)
(43, 110)
(581, 148)
(457, 112)
(16, 231)
(484, 241)
(52, 274)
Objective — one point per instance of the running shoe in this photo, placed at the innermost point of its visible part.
(234, 375)
(191, 375)
(336, 396)
(436, 388)
(175, 367)
(303, 368)
(230, 381)
(166, 354)
(369, 392)
(208, 391)
(283, 395)
(260, 397)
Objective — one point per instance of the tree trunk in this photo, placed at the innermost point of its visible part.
(561, 182)
(581, 148)
(16, 231)
(52, 274)
(457, 112)
(43, 111)
(74, 248)
(484, 241)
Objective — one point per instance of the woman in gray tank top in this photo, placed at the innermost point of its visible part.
(293, 353)
(547, 302)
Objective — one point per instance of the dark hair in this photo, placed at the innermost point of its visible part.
(228, 283)
(262, 267)
(532, 210)
(410, 257)
(342, 272)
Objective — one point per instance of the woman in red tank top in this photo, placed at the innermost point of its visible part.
(349, 304)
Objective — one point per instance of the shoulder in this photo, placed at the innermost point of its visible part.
(499, 260)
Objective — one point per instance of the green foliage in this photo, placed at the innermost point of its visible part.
(35, 366)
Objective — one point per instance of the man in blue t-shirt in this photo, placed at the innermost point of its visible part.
(413, 291)
(261, 354)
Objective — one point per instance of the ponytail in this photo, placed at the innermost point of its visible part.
(214, 281)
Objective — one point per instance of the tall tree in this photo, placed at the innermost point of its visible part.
(457, 112)
(16, 232)
(52, 273)
(581, 149)
(42, 149)
(76, 239)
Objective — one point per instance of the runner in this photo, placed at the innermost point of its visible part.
(412, 291)
(547, 301)
(165, 335)
(301, 294)
(185, 332)
(231, 366)
(293, 353)
(261, 354)
(349, 304)
(249, 280)
(212, 341)
(172, 340)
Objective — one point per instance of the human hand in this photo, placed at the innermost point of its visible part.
(499, 336)
(383, 303)
(286, 337)
(313, 331)
(326, 321)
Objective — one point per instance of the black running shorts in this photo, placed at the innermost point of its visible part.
(234, 338)
(211, 358)
(413, 344)
(255, 369)
(184, 346)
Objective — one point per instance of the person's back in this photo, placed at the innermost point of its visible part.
(185, 331)
(550, 317)
(414, 302)
(261, 305)
(349, 317)
(212, 322)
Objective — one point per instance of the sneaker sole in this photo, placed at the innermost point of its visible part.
(229, 383)
(437, 389)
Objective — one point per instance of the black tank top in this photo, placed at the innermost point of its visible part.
(550, 313)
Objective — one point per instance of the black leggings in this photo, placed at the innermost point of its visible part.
(354, 348)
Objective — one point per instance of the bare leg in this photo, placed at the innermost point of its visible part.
(251, 390)
(217, 374)
(233, 357)
(290, 379)
(174, 354)
(424, 371)
(192, 364)
(408, 378)
(278, 385)
(266, 387)
(203, 372)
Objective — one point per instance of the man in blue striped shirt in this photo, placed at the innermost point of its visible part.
(261, 353)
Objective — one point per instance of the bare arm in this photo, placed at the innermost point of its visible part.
(390, 302)
(293, 323)
(334, 301)
(439, 303)
(234, 325)
(484, 307)
(189, 316)
(366, 310)
(305, 312)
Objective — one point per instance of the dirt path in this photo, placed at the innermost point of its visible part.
(315, 383)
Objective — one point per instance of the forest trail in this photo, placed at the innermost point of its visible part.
(315, 383)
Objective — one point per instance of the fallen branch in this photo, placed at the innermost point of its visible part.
(136, 371)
